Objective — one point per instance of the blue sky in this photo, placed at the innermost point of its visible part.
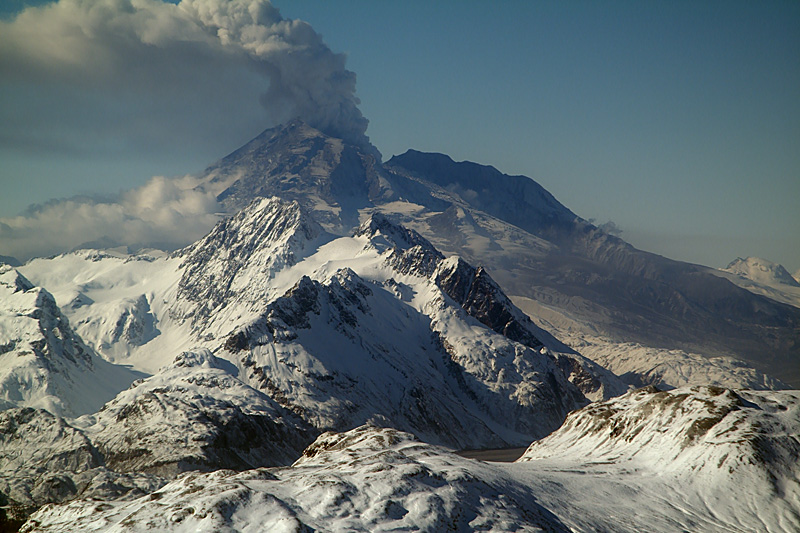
(679, 121)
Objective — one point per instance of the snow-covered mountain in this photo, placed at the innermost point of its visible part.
(702, 443)
(762, 271)
(374, 327)
(368, 479)
(358, 304)
(192, 415)
(763, 277)
(537, 249)
(43, 363)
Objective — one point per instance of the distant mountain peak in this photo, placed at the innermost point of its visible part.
(761, 271)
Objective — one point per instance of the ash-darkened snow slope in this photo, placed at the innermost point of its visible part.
(328, 177)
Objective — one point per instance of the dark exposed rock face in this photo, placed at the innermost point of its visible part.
(477, 293)
(326, 176)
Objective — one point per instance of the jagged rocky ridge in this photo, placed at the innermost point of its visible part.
(234, 263)
(343, 349)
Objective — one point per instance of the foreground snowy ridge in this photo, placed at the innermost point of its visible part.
(715, 441)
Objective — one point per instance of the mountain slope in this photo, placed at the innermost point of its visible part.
(367, 342)
(235, 263)
(44, 459)
(329, 178)
(194, 415)
(704, 442)
(624, 293)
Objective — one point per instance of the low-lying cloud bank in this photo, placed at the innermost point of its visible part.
(166, 213)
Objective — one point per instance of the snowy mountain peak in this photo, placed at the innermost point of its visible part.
(395, 235)
(12, 281)
(237, 260)
(761, 271)
(199, 358)
(329, 177)
(408, 251)
(516, 199)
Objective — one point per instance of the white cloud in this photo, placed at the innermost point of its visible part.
(166, 212)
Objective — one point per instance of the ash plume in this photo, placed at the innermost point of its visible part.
(190, 55)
